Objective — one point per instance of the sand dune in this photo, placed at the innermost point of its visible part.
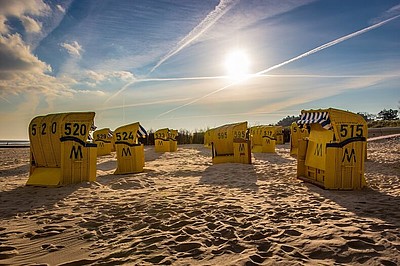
(182, 210)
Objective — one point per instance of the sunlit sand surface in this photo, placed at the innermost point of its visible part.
(182, 210)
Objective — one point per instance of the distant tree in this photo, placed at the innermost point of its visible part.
(198, 137)
(184, 136)
(368, 117)
(287, 121)
(388, 114)
(150, 137)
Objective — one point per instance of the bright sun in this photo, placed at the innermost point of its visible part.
(237, 65)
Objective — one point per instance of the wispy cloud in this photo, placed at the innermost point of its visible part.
(141, 104)
(60, 8)
(391, 12)
(315, 50)
(30, 24)
(205, 24)
(329, 44)
(119, 91)
(22, 10)
(16, 57)
(317, 93)
(98, 77)
(73, 48)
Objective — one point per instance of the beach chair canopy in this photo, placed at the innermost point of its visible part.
(166, 134)
(141, 132)
(343, 124)
(315, 117)
(130, 133)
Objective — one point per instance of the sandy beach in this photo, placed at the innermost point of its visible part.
(182, 210)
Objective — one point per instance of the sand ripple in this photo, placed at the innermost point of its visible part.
(182, 210)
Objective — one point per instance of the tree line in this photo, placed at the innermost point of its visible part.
(385, 118)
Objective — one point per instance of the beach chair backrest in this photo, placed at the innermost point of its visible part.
(333, 154)
(59, 140)
(130, 153)
(223, 137)
(104, 140)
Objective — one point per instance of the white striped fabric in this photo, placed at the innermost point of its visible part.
(315, 117)
(141, 132)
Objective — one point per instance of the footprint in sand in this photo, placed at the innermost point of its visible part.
(292, 232)
(7, 252)
(321, 253)
(189, 249)
(51, 247)
(257, 258)
(362, 245)
(47, 231)
(287, 248)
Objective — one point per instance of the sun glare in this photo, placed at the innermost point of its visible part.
(237, 65)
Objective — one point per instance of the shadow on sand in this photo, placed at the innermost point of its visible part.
(365, 203)
(275, 158)
(31, 199)
(22, 169)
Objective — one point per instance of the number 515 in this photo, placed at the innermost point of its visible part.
(354, 130)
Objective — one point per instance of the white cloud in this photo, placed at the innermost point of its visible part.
(391, 12)
(35, 83)
(22, 10)
(30, 24)
(203, 26)
(73, 48)
(3, 26)
(97, 77)
(90, 92)
(16, 57)
(60, 8)
(107, 75)
(306, 93)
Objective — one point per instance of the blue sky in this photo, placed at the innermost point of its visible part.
(165, 63)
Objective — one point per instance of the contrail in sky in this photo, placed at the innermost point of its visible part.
(5, 99)
(329, 44)
(317, 49)
(205, 24)
(222, 77)
(121, 90)
(141, 104)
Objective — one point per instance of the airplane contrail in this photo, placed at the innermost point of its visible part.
(141, 104)
(261, 75)
(4, 99)
(329, 44)
(317, 49)
(229, 77)
(121, 90)
(205, 24)
(196, 32)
